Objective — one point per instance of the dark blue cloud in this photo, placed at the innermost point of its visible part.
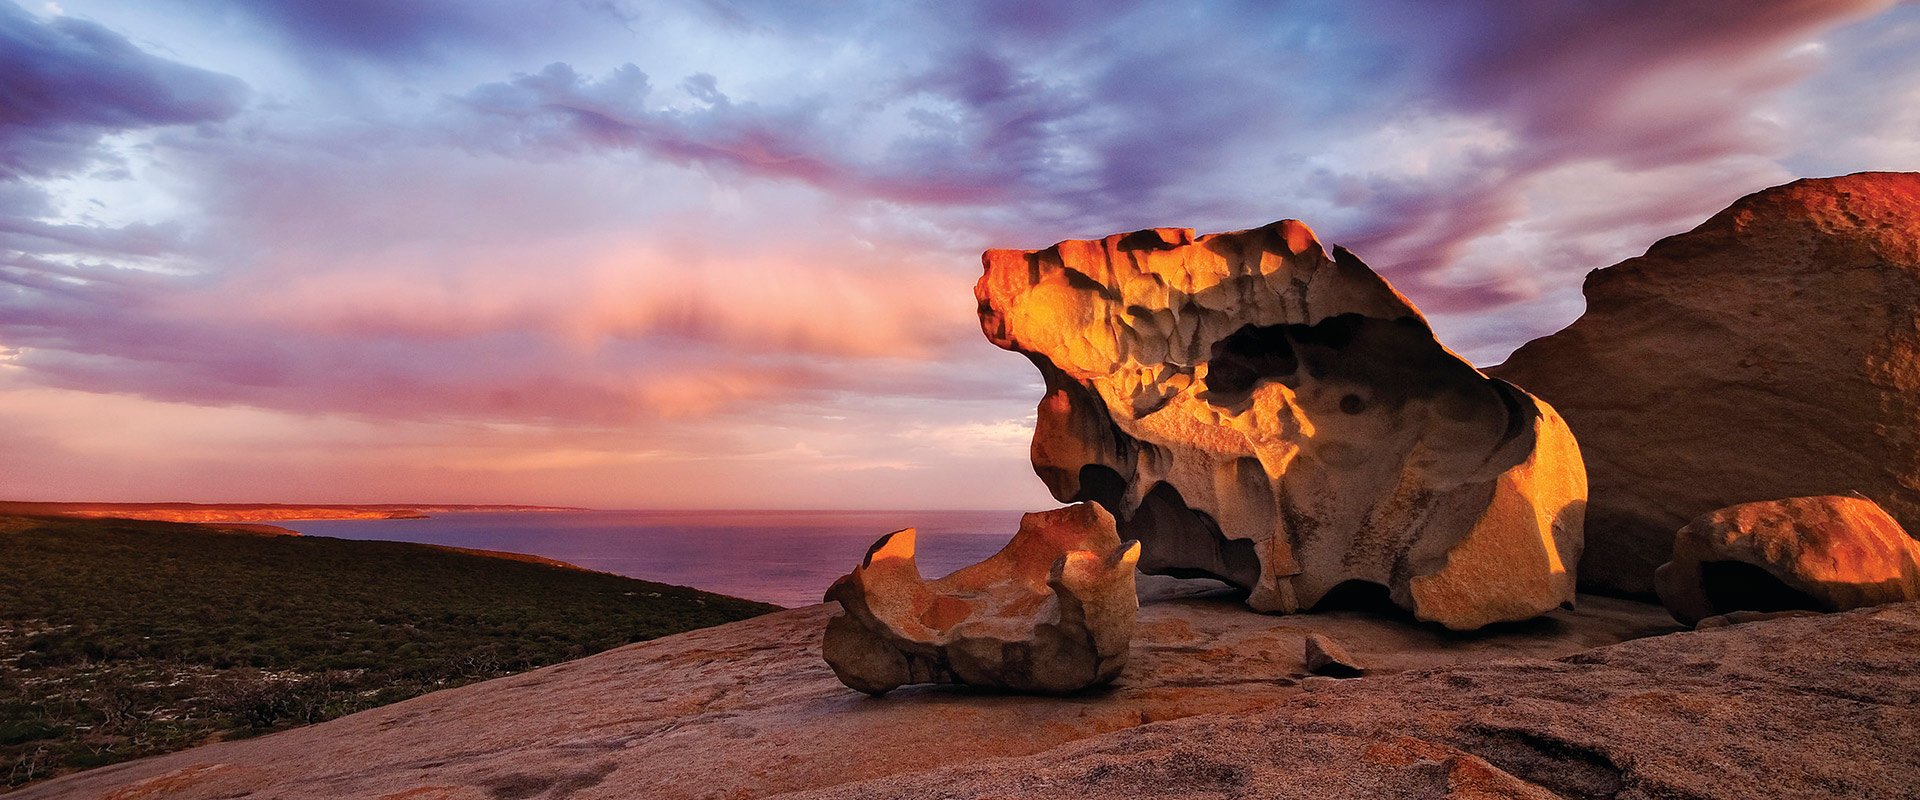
(381, 30)
(65, 83)
(414, 33)
(559, 110)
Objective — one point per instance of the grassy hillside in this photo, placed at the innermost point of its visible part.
(122, 638)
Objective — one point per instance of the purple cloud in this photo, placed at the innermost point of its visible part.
(412, 34)
(65, 83)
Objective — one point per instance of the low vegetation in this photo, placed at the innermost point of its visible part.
(121, 638)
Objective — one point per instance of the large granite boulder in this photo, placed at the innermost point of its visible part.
(1254, 409)
(1811, 553)
(1774, 351)
(1051, 612)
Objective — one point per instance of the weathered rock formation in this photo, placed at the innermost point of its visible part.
(1051, 612)
(1254, 410)
(1774, 351)
(1812, 553)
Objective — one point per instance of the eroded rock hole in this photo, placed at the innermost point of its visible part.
(1248, 355)
(1358, 595)
(1395, 358)
(1101, 484)
(1178, 541)
(1736, 586)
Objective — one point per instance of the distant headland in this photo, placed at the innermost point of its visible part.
(255, 512)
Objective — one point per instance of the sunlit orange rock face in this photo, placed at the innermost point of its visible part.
(1772, 352)
(1053, 611)
(1254, 409)
(1816, 553)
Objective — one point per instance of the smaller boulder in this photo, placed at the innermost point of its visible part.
(1052, 612)
(1825, 553)
(1326, 657)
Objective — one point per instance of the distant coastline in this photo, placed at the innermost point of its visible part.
(256, 518)
(781, 557)
(256, 512)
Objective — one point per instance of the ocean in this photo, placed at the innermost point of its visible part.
(783, 557)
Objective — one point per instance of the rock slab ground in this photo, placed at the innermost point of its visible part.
(751, 710)
(1808, 708)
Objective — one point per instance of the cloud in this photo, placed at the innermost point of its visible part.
(374, 28)
(66, 83)
(558, 109)
(1031, 128)
(412, 35)
(76, 445)
(67, 86)
(304, 310)
(1628, 89)
(1834, 129)
(1000, 437)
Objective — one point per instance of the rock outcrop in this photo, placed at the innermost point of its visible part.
(1774, 351)
(1326, 657)
(1808, 553)
(1256, 410)
(1051, 612)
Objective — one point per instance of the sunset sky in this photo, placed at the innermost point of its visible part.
(720, 254)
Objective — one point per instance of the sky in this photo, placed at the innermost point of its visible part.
(719, 254)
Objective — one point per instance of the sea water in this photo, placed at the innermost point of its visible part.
(783, 557)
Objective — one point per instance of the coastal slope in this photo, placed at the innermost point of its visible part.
(125, 638)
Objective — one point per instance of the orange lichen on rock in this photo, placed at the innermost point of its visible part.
(1256, 409)
(1813, 553)
(1051, 612)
